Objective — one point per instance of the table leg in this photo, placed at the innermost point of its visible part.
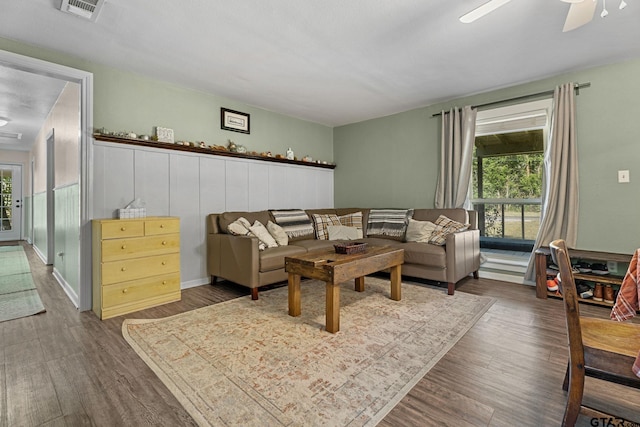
(333, 307)
(360, 284)
(396, 281)
(294, 295)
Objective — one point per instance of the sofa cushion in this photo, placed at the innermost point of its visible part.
(388, 223)
(227, 218)
(315, 245)
(273, 258)
(295, 222)
(322, 221)
(425, 254)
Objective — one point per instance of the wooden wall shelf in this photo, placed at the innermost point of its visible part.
(169, 146)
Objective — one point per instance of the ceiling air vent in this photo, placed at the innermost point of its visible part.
(87, 9)
(10, 135)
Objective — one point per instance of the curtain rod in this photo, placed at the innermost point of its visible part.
(576, 87)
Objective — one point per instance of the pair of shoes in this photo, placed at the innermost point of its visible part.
(598, 292)
(584, 291)
(599, 269)
(608, 294)
(552, 285)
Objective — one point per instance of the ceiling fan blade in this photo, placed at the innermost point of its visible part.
(579, 14)
(482, 10)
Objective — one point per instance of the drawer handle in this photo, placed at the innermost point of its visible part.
(161, 225)
(123, 269)
(164, 262)
(164, 242)
(124, 246)
(124, 291)
(164, 282)
(123, 228)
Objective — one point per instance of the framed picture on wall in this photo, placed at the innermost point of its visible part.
(234, 120)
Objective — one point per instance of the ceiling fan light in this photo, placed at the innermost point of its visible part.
(623, 4)
(482, 10)
(605, 12)
(4, 121)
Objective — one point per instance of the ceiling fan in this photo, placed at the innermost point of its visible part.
(580, 12)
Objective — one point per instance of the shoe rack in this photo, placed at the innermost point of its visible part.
(614, 278)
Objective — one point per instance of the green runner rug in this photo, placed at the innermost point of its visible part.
(18, 294)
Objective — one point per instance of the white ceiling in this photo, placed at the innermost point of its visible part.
(332, 61)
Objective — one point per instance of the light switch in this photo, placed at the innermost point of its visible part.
(623, 176)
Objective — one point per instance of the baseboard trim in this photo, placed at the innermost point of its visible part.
(501, 276)
(66, 287)
(39, 254)
(194, 283)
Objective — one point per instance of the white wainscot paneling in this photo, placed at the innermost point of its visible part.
(113, 176)
(278, 191)
(302, 187)
(184, 202)
(212, 186)
(258, 186)
(324, 188)
(237, 185)
(151, 179)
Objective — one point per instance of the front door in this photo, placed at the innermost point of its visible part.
(10, 202)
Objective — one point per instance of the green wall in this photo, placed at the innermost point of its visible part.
(125, 101)
(393, 161)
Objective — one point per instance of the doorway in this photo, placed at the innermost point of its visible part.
(10, 202)
(80, 296)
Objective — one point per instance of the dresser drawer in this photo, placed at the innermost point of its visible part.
(132, 269)
(161, 226)
(138, 247)
(138, 291)
(118, 228)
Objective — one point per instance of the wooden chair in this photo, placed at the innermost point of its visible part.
(598, 348)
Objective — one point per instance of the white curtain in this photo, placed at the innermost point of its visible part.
(456, 152)
(559, 219)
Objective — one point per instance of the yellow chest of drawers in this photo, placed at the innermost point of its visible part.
(136, 264)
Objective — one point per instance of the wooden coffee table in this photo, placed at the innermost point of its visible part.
(333, 269)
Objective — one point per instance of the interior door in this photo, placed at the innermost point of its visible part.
(10, 202)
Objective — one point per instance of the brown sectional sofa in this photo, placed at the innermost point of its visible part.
(237, 258)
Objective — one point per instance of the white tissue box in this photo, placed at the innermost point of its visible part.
(132, 213)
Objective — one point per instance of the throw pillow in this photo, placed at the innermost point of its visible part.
(296, 223)
(278, 233)
(352, 220)
(263, 235)
(241, 227)
(342, 232)
(444, 227)
(419, 231)
(388, 223)
(322, 221)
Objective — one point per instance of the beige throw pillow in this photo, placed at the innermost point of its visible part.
(239, 227)
(419, 231)
(263, 235)
(342, 232)
(278, 233)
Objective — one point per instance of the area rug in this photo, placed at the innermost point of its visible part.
(248, 363)
(18, 294)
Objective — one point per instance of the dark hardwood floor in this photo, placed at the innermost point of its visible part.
(66, 368)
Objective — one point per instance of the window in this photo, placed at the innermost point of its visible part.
(507, 174)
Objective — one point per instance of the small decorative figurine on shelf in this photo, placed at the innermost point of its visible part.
(233, 147)
(290, 155)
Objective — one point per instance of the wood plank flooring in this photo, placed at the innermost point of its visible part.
(66, 368)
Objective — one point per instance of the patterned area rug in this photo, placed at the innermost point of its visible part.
(249, 363)
(18, 294)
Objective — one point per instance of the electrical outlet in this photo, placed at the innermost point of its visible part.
(623, 176)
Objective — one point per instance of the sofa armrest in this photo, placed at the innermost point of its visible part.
(235, 258)
(463, 254)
